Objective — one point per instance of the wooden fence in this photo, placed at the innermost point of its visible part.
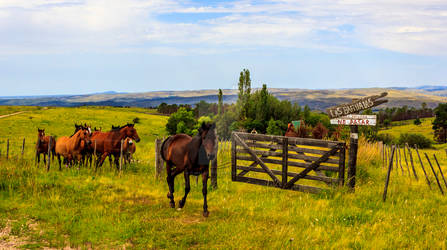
(277, 155)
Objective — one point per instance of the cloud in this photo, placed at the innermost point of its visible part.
(58, 26)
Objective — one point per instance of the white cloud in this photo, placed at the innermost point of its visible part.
(416, 27)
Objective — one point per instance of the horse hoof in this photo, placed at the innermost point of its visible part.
(169, 195)
(181, 204)
(206, 213)
(172, 204)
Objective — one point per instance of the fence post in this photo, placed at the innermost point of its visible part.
(121, 154)
(214, 173)
(285, 158)
(233, 158)
(422, 165)
(387, 180)
(434, 173)
(411, 161)
(352, 163)
(7, 149)
(341, 166)
(23, 147)
(440, 170)
(49, 151)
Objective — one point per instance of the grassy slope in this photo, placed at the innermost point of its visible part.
(81, 208)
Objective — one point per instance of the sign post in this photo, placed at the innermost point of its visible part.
(347, 114)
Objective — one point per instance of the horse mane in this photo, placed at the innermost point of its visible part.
(118, 128)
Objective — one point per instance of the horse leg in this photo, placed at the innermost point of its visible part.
(187, 188)
(38, 158)
(170, 179)
(45, 159)
(204, 192)
(60, 163)
(101, 160)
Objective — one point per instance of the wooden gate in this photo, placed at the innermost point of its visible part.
(323, 162)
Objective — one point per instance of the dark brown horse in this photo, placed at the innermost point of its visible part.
(42, 145)
(190, 155)
(109, 143)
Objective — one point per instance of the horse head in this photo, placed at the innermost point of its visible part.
(207, 133)
(40, 132)
(84, 135)
(131, 132)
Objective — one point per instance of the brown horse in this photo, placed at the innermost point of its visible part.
(71, 147)
(129, 149)
(42, 145)
(191, 156)
(109, 143)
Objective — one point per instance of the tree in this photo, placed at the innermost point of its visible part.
(417, 121)
(220, 103)
(181, 121)
(275, 127)
(244, 93)
(440, 123)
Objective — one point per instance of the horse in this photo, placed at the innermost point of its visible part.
(87, 150)
(191, 155)
(42, 145)
(71, 147)
(129, 149)
(109, 143)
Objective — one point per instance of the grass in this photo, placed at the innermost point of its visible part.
(81, 208)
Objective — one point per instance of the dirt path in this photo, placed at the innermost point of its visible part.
(16, 113)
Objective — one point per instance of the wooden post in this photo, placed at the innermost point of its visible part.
(214, 173)
(387, 180)
(352, 163)
(422, 165)
(400, 160)
(49, 151)
(285, 158)
(434, 173)
(406, 161)
(341, 166)
(7, 149)
(411, 161)
(23, 148)
(440, 170)
(121, 154)
(233, 158)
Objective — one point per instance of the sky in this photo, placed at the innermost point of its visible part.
(52, 47)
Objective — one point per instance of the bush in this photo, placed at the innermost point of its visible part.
(417, 121)
(136, 120)
(181, 121)
(418, 139)
(385, 138)
(320, 131)
(275, 127)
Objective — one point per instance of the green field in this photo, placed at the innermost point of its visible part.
(107, 209)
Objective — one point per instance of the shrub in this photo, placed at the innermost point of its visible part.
(320, 131)
(136, 120)
(181, 121)
(412, 139)
(385, 138)
(417, 121)
(275, 127)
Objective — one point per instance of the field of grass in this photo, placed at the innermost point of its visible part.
(81, 208)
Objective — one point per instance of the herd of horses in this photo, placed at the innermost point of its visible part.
(182, 153)
(80, 147)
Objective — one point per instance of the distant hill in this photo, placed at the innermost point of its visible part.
(316, 99)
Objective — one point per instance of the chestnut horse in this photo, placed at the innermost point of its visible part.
(42, 145)
(71, 147)
(129, 149)
(109, 143)
(191, 156)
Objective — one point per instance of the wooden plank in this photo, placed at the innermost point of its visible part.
(307, 150)
(440, 170)
(434, 173)
(312, 166)
(290, 163)
(256, 158)
(411, 161)
(263, 153)
(361, 120)
(264, 145)
(352, 161)
(422, 165)
(311, 158)
(291, 140)
(296, 187)
(324, 179)
(285, 152)
(356, 106)
(259, 137)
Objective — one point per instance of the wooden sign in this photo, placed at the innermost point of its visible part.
(356, 106)
(365, 120)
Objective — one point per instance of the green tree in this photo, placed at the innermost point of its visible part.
(417, 121)
(275, 127)
(224, 124)
(181, 121)
(220, 103)
(440, 123)
(244, 93)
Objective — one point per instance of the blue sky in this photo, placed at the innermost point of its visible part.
(85, 46)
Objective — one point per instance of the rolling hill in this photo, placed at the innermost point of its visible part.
(316, 99)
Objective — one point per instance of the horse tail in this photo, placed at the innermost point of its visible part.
(162, 148)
